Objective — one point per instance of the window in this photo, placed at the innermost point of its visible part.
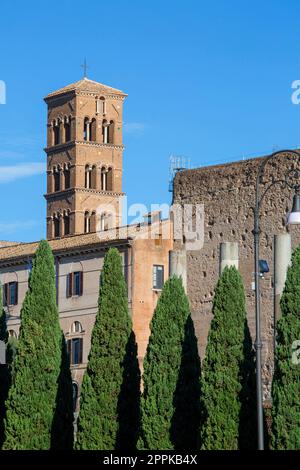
(101, 106)
(109, 180)
(67, 224)
(158, 277)
(103, 179)
(110, 136)
(67, 128)
(76, 327)
(56, 134)
(75, 284)
(56, 223)
(56, 176)
(88, 177)
(74, 347)
(67, 177)
(105, 125)
(87, 130)
(12, 334)
(10, 293)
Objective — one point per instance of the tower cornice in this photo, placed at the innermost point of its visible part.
(69, 192)
(66, 145)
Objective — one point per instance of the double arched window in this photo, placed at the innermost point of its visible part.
(89, 221)
(108, 131)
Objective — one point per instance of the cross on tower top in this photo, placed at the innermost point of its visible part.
(85, 68)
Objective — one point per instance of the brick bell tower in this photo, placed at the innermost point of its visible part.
(84, 158)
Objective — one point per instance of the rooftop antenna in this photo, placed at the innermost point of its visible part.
(85, 68)
(177, 163)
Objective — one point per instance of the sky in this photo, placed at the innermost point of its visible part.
(207, 80)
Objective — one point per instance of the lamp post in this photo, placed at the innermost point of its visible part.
(293, 218)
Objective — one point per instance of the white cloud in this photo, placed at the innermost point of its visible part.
(133, 127)
(12, 173)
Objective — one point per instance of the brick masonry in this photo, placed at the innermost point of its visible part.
(228, 194)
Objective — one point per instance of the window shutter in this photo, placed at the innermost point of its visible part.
(5, 295)
(80, 350)
(16, 295)
(81, 283)
(69, 285)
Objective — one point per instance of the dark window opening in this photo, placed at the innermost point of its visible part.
(56, 227)
(56, 180)
(158, 277)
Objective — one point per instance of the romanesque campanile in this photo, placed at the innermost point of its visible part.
(84, 158)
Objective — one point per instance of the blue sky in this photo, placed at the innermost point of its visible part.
(207, 80)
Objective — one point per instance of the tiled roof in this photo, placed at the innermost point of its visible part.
(120, 234)
(88, 86)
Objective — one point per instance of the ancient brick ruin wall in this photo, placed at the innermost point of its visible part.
(228, 194)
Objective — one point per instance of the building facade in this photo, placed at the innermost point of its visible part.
(84, 185)
(227, 193)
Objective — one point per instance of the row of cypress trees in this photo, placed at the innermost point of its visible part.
(181, 407)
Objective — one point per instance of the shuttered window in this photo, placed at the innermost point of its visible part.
(75, 347)
(10, 293)
(75, 284)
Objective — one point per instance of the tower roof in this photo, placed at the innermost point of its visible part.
(86, 85)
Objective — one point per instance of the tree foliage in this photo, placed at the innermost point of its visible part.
(34, 397)
(109, 404)
(171, 379)
(228, 384)
(286, 380)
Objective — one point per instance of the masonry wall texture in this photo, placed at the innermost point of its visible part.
(228, 194)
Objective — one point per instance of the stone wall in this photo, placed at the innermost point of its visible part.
(228, 194)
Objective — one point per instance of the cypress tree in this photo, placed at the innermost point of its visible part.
(33, 396)
(286, 380)
(227, 386)
(170, 401)
(109, 404)
(4, 370)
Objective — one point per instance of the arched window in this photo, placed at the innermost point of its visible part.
(67, 223)
(102, 222)
(93, 222)
(88, 177)
(109, 178)
(75, 395)
(76, 327)
(56, 132)
(111, 129)
(67, 176)
(87, 222)
(105, 221)
(56, 222)
(105, 132)
(93, 130)
(93, 177)
(103, 179)
(12, 334)
(67, 129)
(101, 106)
(87, 129)
(56, 176)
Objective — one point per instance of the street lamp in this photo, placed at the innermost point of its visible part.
(293, 218)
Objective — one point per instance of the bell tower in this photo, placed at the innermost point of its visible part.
(84, 158)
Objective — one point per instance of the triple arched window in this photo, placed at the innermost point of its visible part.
(61, 130)
(61, 223)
